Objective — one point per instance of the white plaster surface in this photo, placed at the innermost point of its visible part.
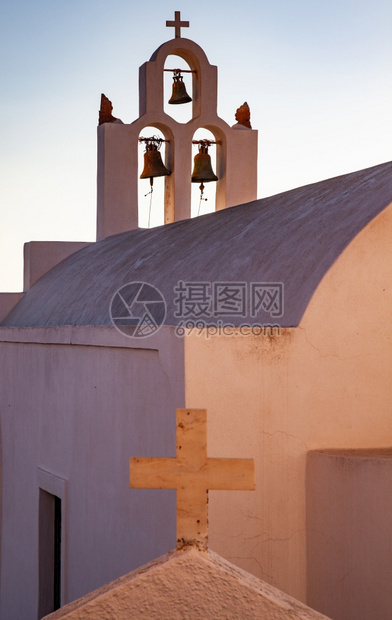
(187, 584)
(76, 403)
(8, 301)
(349, 517)
(41, 256)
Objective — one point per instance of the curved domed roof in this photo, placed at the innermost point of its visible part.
(291, 238)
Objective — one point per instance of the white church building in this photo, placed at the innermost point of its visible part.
(273, 314)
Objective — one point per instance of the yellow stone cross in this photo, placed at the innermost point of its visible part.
(192, 474)
(177, 24)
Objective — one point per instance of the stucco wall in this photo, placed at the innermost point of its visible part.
(76, 404)
(324, 384)
(349, 517)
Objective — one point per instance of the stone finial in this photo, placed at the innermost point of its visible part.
(242, 115)
(105, 112)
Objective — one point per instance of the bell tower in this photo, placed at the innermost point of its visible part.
(118, 144)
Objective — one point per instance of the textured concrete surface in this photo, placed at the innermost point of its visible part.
(187, 584)
(292, 238)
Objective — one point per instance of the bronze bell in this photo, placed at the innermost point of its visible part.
(202, 170)
(179, 94)
(153, 164)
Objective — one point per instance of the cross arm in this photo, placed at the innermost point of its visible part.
(230, 474)
(153, 473)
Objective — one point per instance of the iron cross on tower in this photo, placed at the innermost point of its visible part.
(177, 24)
(192, 474)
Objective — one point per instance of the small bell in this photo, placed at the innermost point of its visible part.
(153, 164)
(179, 94)
(202, 170)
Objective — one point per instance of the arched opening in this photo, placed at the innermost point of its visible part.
(205, 203)
(151, 198)
(181, 112)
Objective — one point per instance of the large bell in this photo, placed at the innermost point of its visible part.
(153, 164)
(202, 169)
(179, 94)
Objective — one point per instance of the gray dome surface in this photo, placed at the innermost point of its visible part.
(291, 238)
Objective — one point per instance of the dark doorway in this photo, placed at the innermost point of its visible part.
(49, 553)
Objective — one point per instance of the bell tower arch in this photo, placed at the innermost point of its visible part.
(118, 147)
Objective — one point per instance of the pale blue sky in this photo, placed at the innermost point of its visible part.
(317, 76)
